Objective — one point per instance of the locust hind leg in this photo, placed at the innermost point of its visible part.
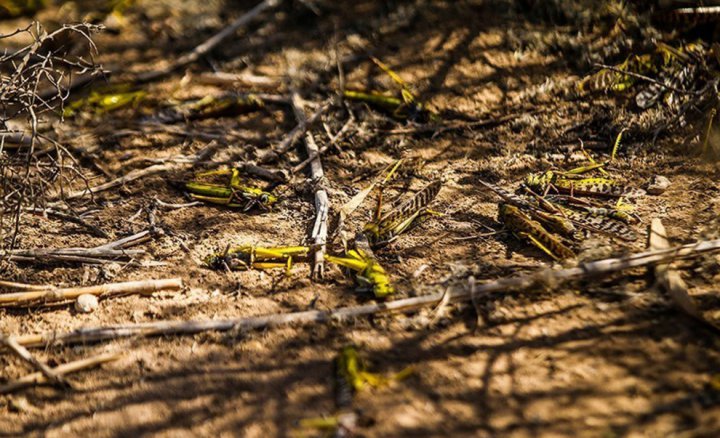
(538, 244)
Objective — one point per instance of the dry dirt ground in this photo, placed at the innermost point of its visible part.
(606, 358)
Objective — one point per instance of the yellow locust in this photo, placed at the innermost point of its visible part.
(524, 227)
(234, 194)
(405, 107)
(257, 257)
(369, 273)
(105, 99)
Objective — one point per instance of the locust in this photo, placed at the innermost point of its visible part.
(257, 257)
(575, 182)
(524, 227)
(211, 107)
(565, 220)
(672, 66)
(369, 273)
(565, 182)
(603, 220)
(235, 194)
(106, 100)
(352, 376)
(384, 229)
(549, 217)
(404, 107)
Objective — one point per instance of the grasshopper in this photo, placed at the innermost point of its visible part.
(351, 376)
(235, 195)
(566, 182)
(369, 273)
(211, 106)
(256, 257)
(523, 226)
(602, 220)
(105, 100)
(386, 228)
(405, 107)
(557, 222)
(574, 182)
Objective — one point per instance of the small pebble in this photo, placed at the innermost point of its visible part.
(86, 303)
(658, 185)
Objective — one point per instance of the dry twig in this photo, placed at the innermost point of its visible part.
(322, 204)
(103, 290)
(113, 251)
(174, 165)
(458, 291)
(25, 355)
(669, 280)
(60, 370)
(293, 136)
(211, 43)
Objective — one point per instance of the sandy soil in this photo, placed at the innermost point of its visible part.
(607, 358)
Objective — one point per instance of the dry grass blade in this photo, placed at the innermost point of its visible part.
(156, 169)
(669, 280)
(293, 136)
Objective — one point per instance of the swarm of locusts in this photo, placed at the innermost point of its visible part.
(674, 79)
(555, 209)
(383, 229)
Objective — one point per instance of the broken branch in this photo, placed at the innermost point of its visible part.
(60, 370)
(459, 291)
(103, 290)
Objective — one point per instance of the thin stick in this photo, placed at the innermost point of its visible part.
(108, 252)
(325, 148)
(25, 355)
(142, 173)
(23, 286)
(68, 217)
(66, 368)
(211, 43)
(437, 129)
(293, 136)
(233, 79)
(459, 291)
(322, 204)
(267, 174)
(104, 290)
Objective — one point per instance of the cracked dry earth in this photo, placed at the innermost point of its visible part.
(605, 358)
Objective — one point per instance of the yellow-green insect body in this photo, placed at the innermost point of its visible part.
(573, 183)
(234, 195)
(257, 257)
(406, 108)
(106, 100)
(369, 273)
(525, 227)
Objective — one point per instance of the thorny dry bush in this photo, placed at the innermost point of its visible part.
(35, 81)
